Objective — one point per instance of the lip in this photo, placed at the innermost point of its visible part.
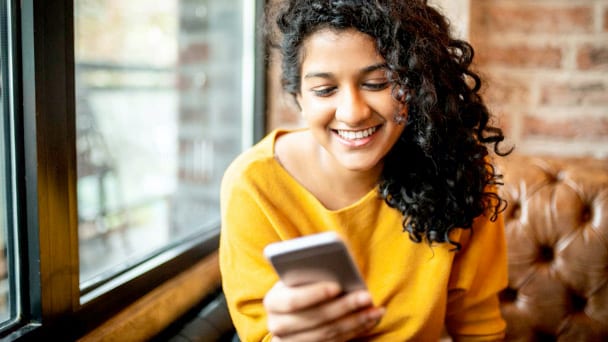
(357, 143)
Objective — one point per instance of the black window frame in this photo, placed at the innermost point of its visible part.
(46, 170)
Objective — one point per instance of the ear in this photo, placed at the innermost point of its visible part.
(404, 110)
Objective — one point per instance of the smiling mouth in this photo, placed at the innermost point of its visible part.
(356, 135)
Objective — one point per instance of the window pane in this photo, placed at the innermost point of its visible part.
(158, 120)
(6, 174)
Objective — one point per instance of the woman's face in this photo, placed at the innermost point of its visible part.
(345, 97)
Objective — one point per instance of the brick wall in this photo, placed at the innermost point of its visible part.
(546, 63)
(209, 127)
(546, 67)
(280, 106)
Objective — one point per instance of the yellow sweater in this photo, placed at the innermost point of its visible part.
(422, 288)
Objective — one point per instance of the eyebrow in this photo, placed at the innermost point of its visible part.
(365, 70)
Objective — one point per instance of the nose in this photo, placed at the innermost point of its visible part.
(352, 108)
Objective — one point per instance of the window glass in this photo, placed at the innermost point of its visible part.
(159, 118)
(6, 174)
(5, 196)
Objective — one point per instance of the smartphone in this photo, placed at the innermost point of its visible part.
(313, 258)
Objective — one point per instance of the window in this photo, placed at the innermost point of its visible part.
(6, 172)
(159, 116)
(9, 222)
(160, 113)
(128, 114)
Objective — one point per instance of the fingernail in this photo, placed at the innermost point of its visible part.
(372, 317)
(364, 299)
(334, 289)
(376, 314)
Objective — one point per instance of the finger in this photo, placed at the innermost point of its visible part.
(285, 299)
(288, 323)
(343, 329)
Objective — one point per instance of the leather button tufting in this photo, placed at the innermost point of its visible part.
(586, 214)
(508, 295)
(553, 177)
(557, 231)
(515, 210)
(543, 336)
(545, 254)
(578, 303)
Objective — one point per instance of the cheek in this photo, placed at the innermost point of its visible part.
(384, 103)
(317, 111)
(388, 108)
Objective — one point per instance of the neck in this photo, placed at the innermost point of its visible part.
(350, 183)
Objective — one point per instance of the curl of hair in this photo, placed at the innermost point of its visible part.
(438, 174)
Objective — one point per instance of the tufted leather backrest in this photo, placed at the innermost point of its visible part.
(557, 239)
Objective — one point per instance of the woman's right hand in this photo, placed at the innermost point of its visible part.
(317, 312)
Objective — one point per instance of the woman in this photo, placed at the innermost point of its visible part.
(394, 159)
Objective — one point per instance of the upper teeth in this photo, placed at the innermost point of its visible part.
(352, 135)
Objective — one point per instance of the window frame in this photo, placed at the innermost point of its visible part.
(13, 153)
(47, 184)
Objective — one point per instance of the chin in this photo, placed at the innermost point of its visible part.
(359, 166)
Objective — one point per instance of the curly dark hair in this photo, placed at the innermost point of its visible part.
(438, 174)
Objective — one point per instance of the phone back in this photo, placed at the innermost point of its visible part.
(313, 258)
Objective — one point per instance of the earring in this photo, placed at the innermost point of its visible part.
(400, 119)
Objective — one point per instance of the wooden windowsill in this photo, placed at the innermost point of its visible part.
(155, 311)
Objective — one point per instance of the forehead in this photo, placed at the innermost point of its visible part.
(330, 49)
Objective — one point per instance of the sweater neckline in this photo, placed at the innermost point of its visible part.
(372, 194)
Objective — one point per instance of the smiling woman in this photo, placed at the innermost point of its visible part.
(346, 100)
(396, 140)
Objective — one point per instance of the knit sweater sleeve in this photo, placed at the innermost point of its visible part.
(246, 276)
(479, 273)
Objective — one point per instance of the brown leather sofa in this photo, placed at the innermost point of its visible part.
(557, 241)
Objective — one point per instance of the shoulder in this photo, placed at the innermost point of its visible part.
(254, 160)
(258, 164)
(293, 152)
(291, 145)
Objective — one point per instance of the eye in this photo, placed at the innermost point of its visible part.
(376, 85)
(324, 91)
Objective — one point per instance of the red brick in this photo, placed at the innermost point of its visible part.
(184, 82)
(501, 115)
(592, 57)
(524, 18)
(574, 94)
(194, 53)
(2, 265)
(191, 116)
(282, 110)
(579, 127)
(504, 90)
(503, 121)
(520, 56)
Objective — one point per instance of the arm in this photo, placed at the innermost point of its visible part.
(245, 232)
(258, 303)
(478, 274)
